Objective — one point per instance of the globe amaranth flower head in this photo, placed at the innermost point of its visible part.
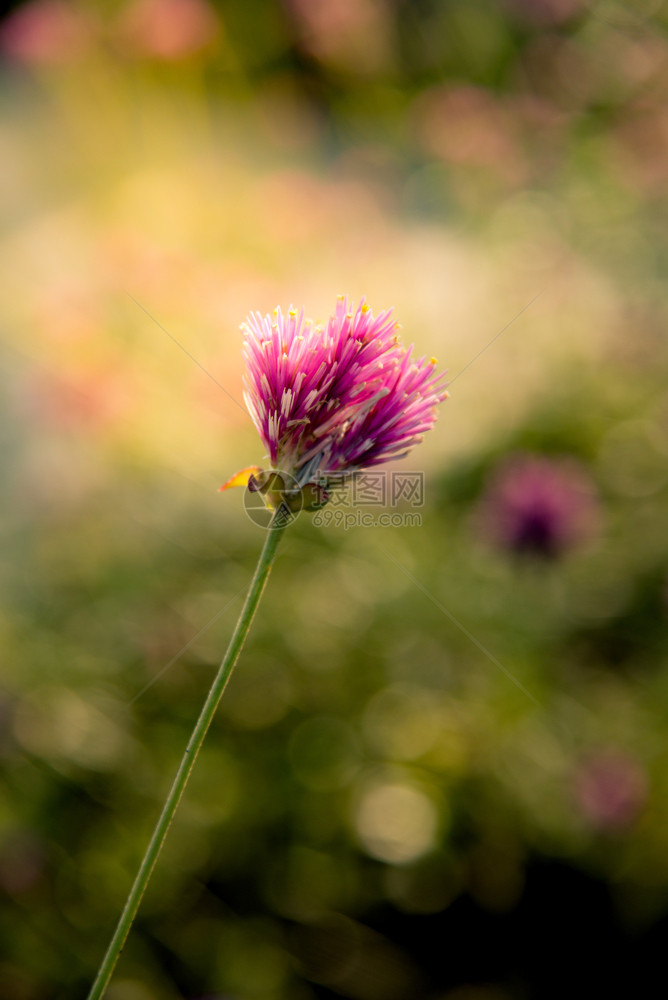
(539, 506)
(336, 398)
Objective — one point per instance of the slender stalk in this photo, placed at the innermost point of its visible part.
(185, 767)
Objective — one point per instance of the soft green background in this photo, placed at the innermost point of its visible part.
(469, 164)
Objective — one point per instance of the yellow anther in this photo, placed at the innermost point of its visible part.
(433, 361)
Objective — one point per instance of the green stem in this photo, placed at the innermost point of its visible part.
(185, 767)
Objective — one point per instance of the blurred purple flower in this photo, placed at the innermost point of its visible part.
(337, 398)
(539, 506)
(610, 789)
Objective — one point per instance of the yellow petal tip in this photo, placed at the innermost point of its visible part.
(241, 478)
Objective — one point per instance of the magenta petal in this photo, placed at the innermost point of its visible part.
(336, 398)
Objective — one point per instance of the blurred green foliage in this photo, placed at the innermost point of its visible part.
(420, 712)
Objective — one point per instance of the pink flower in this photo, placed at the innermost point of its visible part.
(46, 32)
(338, 398)
(168, 29)
(539, 506)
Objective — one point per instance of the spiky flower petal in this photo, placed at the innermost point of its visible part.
(337, 398)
